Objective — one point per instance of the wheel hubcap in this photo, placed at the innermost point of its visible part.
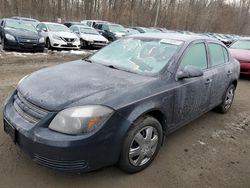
(229, 99)
(143, 146)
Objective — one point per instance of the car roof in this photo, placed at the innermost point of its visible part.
(24, 18)
(14, 19)
(174, 36)
(52, 23)
(84, 26)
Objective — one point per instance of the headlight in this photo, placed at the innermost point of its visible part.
(80, 120)
(41, 40)
(56, 37)
(10, 37)
(22, 79)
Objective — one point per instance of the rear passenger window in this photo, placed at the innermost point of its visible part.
(217, 54)
(195, 56)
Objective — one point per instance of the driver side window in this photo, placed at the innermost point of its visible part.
(195, 56)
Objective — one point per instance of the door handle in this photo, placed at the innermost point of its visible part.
(208, 81)
(229, 72)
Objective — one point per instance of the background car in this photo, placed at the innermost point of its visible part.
(89, 37)
(111, 31)
(20, 35)
(92, 23)
(132, 31)
(30, 20)
(240, 50)
(146, 30)
(69, 24)
(58, 36)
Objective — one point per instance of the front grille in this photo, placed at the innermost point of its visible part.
(71, 46)
(69, 39)
(27, 40)
(27, 110)
(60, 164)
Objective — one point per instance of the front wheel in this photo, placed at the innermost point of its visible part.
(227, 100)
(3, 44)
(84, 44)
(141, 145)
(48, 44)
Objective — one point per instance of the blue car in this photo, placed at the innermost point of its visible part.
(20, 35)
(118, 105)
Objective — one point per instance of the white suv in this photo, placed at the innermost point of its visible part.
(58, 36)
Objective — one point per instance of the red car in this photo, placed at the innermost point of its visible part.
(240, 50)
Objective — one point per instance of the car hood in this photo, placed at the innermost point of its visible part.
(57, 87)
(93, 37)
(23, 34)
(240, 54)
(65, 34)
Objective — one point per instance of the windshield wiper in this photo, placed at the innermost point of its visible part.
(88, 60)
(119, 68)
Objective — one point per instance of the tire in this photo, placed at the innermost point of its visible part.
(84, 44)
(110, 39)
(3, 44)
(48, 44)
(227, 100)
(140, 147)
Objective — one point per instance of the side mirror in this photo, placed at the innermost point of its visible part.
(189, 71)
(77, 32)
(38, 30)
(43, 29)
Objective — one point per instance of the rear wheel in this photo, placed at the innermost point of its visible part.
(141, 145)
(227, 100)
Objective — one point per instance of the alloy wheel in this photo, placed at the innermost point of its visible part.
(229, 98)
(143, 146)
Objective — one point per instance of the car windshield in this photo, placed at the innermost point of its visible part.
(137, 55)
(86, 30)
(19, 25)
(241, 44)
(117, 28)
(58, 28)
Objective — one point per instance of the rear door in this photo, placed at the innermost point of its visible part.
(192, 94)
(222, 72)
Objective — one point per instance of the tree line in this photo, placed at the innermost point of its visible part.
(223, 16)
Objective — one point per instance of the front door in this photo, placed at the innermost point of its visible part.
(192, 94)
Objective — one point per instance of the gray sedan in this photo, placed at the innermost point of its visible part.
(117, 106)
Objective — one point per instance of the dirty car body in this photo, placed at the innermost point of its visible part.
(127, 94)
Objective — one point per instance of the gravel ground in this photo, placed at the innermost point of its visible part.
(212, 151)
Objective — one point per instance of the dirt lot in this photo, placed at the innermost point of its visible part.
(212, 151)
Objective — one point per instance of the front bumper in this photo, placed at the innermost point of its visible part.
(97, 44)
(60, 44)
(66, 152)
(23, 46)
(245, 68)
